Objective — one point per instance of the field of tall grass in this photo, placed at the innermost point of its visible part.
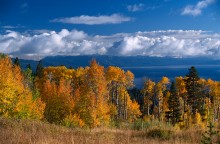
(34, 132)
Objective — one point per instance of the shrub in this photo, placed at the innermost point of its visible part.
(73, 121)
(159, 133)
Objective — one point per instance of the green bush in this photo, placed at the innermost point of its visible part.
(159, 133)
(143, 125)
(140, 125)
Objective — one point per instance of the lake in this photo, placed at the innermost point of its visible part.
(155, 73)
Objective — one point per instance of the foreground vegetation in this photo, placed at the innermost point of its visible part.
(26, 131)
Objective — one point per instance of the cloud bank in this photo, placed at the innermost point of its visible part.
(197, 9)
(94, 20)
(171, 43)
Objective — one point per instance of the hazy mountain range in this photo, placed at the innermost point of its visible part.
(142, 66)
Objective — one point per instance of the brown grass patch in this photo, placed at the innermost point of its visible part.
(36, 132)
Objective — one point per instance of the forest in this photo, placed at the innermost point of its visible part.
(96, 97)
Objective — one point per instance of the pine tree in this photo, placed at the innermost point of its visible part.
(2, 55)
(192, 87)
(28, 66)
(174, 112)
(39, 70)
(17, 62)
(208, 136)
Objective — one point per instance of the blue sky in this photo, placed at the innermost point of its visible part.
(142, 15)
(110, 27)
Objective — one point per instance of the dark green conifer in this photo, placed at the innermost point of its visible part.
(193, 89)
(208, 136)
(39, 70)
(174, 113)
(17, 62)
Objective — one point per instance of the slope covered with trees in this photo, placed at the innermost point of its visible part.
(95, 96)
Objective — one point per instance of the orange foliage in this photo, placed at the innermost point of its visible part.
(15, 99)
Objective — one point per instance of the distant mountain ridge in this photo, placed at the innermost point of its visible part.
(124, 61)
(142, 66)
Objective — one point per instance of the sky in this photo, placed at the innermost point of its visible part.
(175, 28)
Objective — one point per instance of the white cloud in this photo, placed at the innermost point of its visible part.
(172, 43)
(135, 7)
(94, 20)
(196, 9)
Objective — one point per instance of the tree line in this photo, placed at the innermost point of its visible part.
(95, 96)
(84, 97)
(185, 101)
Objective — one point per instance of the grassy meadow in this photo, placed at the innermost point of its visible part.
(34, 132)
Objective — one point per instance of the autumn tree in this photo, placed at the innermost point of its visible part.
(182, 94)
(96, 88)
(115, 80)
(59, 102)
(54, 84)
(148, 93)
(16, 100)
(203, 98)
(119, 82)
(213, 101)
(159, 92)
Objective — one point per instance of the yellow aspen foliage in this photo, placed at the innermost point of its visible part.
(26, 108)
(118, 82)
(213, 103)
(78, 78)
(197, 121)
(58, 99)
(182, 93)
(90, 97)
(56, 73)
(115, 74)
(129, 79)
(132, 110)
(83, 109)
(148, 93)
(180, 85)
(15, 99)
(56, 91)
(160, 88)
(73, 121)
(96, 87)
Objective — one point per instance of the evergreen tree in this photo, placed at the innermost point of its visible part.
(17, 62)
(28, 66)
(192, 87)
(28, 77)
(2, 55)
(208, 136)
(174, 113)
(39, 70)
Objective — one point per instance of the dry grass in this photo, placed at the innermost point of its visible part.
(35, 132)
